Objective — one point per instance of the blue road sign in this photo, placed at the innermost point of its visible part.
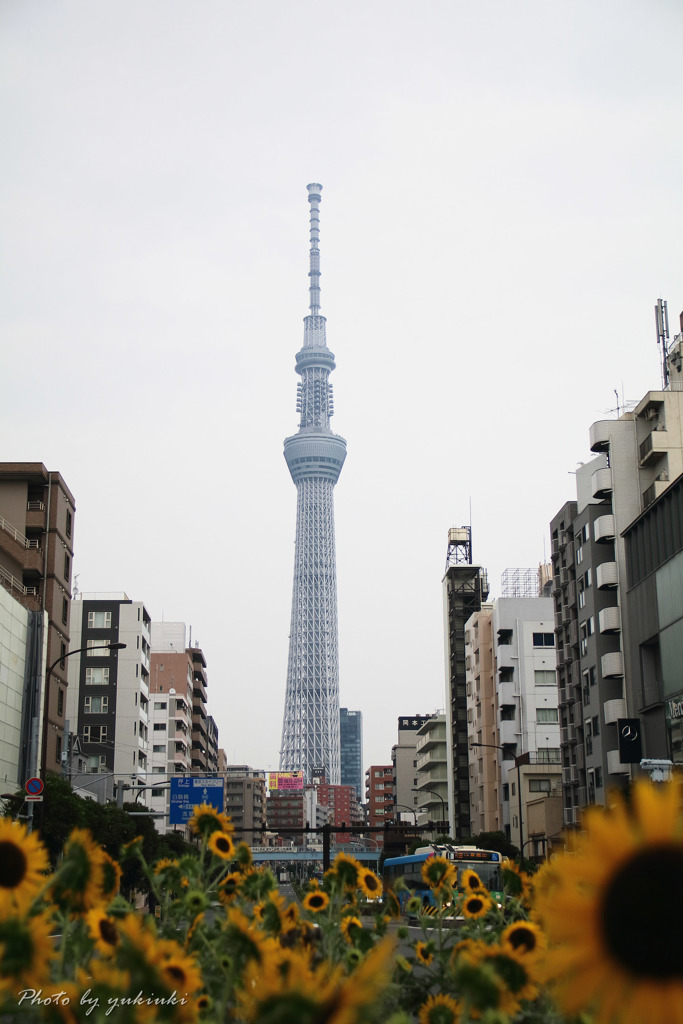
(34, 787)
(186, 792)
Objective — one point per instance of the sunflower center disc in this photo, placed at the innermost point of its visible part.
(642, 912)
(13, 860)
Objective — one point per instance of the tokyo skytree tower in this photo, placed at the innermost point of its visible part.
(315, 456)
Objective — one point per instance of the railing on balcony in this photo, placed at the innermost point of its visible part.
(10, 582)
(35, 506)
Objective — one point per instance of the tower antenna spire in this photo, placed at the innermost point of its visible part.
(314, 191)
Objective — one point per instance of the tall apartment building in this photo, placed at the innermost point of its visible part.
(245, 801)
(37, 512)
(404, 763)
(351, 749)
(465, 588)
(379, 796)
(432, 778)
(512, 710)
(600, 675)
(107, 701)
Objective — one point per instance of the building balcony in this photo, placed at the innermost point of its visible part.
(612, 665)
(653, 447)
(614, 765)
(600, 434)
(614, 710)
(601, 483)
(606, 576)
(603, 529)
(507, 733)
(609, 620)
(655, 489)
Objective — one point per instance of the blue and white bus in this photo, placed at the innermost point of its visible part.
(485, 862)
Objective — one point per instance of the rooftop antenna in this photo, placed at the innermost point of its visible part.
(662, 322)
(617, 394)
(76, 590)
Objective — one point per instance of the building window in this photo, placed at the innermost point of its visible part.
(99, 620)
(596, 725)
(544, 639)
(65, 610)
(94, 733)
(67, 566)
(598, 778)
(158, 748)
(60, 702)
(160, 705)
(158, 792)
(545, 715)
(97, 649)
(582, 595)
(507, 713)
(539, 785)
(548, 755)
(588, 738)
(69, 523)
(98, 763)
(159, 727)
(545, 677)
(58, 748)
(62, 651)
(95, 705)
(97, 677)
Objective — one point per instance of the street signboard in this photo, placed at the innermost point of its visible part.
(188, 791)
(286, 780)
(32, 799)
(34, 787)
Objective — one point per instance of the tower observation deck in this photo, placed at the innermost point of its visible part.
(315, 456)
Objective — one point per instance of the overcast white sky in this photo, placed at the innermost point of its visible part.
(501, 202)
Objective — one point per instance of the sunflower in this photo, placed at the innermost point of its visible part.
(348, 870)
(423, 952)
(243, 856)
(290, 917)
(613, 915)
(349, 922)
(477, 904)
(23, 863)
(26, 950)
(470, 881)
(221, 845)
(181, 974)
(78, 884)
(438, 872)
(316, 901)
(111, 877)
(516, 882)
(229, 887)
(440, 1009)
(163, 863)
(206, 819)
(501, 979)
(369, 884)
(103, 930)
(525, 939)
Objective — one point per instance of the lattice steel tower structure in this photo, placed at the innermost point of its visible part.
(315, 456)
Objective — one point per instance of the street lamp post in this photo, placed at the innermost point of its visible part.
(46, 709)
(522, 759)
(425, 789)
(411, 809)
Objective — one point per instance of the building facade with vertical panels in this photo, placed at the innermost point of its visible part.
(465, 588)
(351, 749)
(37, 513)
(653, 627)
(108, 698)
